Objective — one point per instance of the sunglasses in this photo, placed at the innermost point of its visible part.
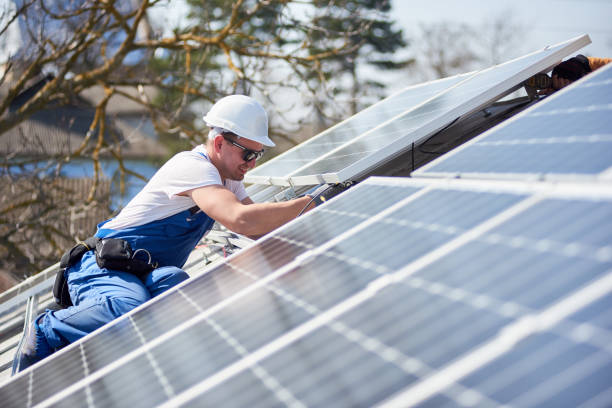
(248, 154)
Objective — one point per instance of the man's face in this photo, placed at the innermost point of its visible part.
(233, 151)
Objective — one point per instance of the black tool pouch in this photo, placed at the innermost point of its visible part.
(113, 253)
(117, 254)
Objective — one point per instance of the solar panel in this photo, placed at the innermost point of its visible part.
(566, 136)
(278, 170)
(398, 291)
(357, 152)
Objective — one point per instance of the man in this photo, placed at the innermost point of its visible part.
(572, 70)
(165, 221)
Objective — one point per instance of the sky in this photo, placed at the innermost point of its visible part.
(546, 22)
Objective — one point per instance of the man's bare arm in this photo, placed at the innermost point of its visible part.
(250, 219)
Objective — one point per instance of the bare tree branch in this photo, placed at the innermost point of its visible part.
(79, 57)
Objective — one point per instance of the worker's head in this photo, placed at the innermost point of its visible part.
(239, 131)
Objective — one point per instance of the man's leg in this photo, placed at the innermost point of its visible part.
(98, 295)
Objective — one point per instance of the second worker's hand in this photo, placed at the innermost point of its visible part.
(559, 82)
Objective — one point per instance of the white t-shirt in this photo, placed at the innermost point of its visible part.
(159, 198)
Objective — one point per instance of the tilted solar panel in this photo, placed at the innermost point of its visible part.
(359, 152)
(278, 170)
(565, 136)
(398, 291)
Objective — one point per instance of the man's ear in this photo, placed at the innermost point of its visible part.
(217, 143)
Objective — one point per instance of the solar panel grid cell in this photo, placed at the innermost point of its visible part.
(594, 316)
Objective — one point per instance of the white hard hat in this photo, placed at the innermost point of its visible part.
(241, 115)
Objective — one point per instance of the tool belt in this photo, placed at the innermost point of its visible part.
(111, 253)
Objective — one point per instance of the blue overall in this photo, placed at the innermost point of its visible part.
(100, 295)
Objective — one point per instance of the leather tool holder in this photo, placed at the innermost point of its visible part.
(117, 254)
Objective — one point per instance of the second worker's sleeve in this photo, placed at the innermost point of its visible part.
(596, 63)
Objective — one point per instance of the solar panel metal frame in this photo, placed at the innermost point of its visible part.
(606, 176)
(385, 153)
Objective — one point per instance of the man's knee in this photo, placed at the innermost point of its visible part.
(164, 278)
(119, 306)
(93, 313)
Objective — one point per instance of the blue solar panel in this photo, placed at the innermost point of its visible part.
(567, 135)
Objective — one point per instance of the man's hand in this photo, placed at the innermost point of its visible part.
(324, 192)
(559, 82)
